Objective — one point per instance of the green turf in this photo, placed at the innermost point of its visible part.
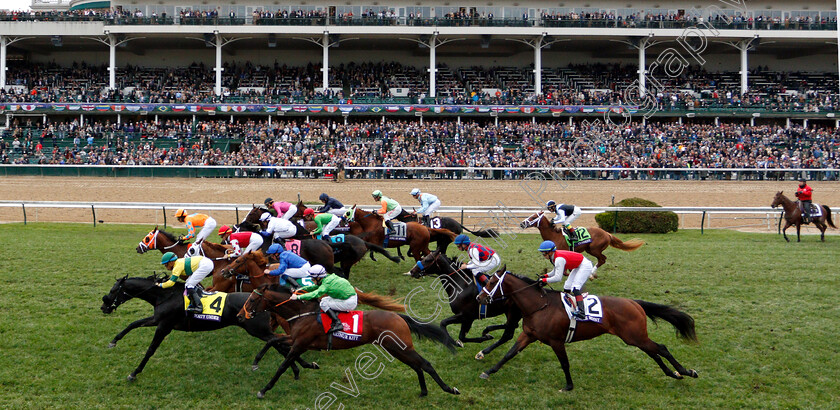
(766, 314)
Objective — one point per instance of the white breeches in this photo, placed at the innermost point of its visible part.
(298, 273)
(339, 305)
(392, 213)
(578, 276)
(208, 228)
(205, 267)
(432, 208)
(567, 220)
(489, 265)
(289, 214)
(338, 212)
(285, 231)
(330, 226)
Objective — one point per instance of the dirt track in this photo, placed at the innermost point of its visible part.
(510, 193)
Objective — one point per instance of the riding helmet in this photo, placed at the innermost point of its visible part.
(323, 197)
(268, 201)
(180, 212)
(317, 271)
(168, 257)
(224, 229)
(308, 211)
(377, 193)
(274, 248)
(415, 192)
(547, 246)
(550, 204)
(265, 216)
(462, 240)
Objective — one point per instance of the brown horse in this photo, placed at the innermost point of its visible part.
(368, 226)
(545, 319)
(166, 242)
(601, 239)
(793, 216)
(388, 330)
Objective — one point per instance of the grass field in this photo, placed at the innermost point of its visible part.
(766, 314)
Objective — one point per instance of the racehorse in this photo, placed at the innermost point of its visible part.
(793, 216)
(390, 331)
(346, 254)
(601, 239)
(462, 291)
(166, 242)
(368, 226)
(546, 320)
(170, 314)
(445, 222)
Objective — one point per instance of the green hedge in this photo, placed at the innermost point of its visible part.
(638, 222)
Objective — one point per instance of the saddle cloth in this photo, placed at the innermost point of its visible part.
(351, 321)
(591, 304)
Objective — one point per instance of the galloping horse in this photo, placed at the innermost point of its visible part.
(601, 239)
(170, 315)
(546, 320)
(793, 216)
(388, 330)
(462, 291)
(346, 254)
(445, 222)
(166, 242)
(368, 226)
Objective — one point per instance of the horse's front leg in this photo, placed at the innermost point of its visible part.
(293, 354)
(560, 351)
(162, 331)
(521, 343)
(145, 322)
(784, 233)
(798, 226)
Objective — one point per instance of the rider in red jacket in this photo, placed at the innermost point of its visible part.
(804, 195)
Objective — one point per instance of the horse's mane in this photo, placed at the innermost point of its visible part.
(168, 235)
(215, 246)
(259, 258)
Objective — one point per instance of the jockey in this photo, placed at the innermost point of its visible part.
(193, 270)
(331, 205)
(284, 210)
(206, 223)
(579, 270)
(566, 214)
(482, 258)
(250, 240)
(804, 194)
(291, 265)
(278, 227)
(326, 222)
(429, 202)
(390, 209)
(339, 294)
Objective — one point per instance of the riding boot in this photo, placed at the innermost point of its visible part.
(806, 217)
(195, 301)
(572, 234)
(481, 279)
(580, 313)
(390, 226)
(336, 324)
(426, 221)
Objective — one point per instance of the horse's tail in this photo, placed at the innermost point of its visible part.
(628, 246)
(437, 233)
(432, 332)
(482, 233)
(828, 216)
(379, 301)
(378, 249)
(683, 322)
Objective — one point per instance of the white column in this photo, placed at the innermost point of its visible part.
(119, 119)
(326, 61)
(642, 65)
(717, 121)
(744, 47)
(3, 61)
(538, 65)
(112, 62)
(433, 66)
(218, 64)
(805, 123)
(269, 120)
(81, 120)
(787, 122)
(752, 121)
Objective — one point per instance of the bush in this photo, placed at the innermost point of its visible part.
(638, 222)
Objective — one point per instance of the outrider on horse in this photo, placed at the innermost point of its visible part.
(546, 319)
(793, 216)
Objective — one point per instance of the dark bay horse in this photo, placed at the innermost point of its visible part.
(166, 242)
(546, 320)
(793, 216)
(388, 330)
(462, 291)
(170, 315)
(368, 226)
(601, 239)
(445, 222)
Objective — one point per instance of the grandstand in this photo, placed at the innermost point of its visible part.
(99, 77)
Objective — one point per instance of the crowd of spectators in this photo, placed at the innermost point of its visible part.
(431, 144)
(583, 84)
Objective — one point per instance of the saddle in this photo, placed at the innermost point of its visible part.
(816, 211)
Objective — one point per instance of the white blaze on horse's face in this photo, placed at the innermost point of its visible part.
(532, 220)
(149, 241)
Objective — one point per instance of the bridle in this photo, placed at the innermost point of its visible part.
(250, 313)
(498, 287)
(423, 268)
(531, 222)
(120, 291)
(152, 243)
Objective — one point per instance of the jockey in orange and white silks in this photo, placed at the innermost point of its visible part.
(192, 221)
(278, 228)
(250, 241)
(390, 208)
(285, 210)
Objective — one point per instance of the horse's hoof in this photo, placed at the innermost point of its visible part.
(315, 365)
(677, 375)
(568, 387)
(132, 377)
(112, 345)
(479, 355)
(484, 375)
(487, 337)
(254, 367)
(423, 394)
(455, 391)
(261, 395)
(459, 343)
(693, 373)
(592, 277)
(407, 273)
